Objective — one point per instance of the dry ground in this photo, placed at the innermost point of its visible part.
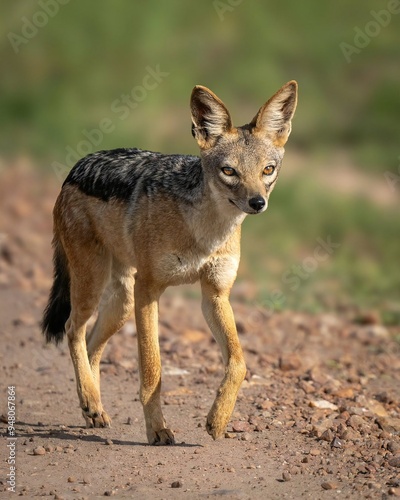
(317, 417)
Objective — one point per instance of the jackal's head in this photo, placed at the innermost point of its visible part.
(241, 164)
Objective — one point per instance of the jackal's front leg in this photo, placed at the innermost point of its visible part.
(146, 310)
(219, 316)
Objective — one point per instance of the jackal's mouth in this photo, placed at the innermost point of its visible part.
(249, 210)
(238, 207)
(235, 204)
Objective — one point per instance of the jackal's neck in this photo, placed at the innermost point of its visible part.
(212, 220)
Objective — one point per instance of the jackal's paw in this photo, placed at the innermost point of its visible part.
(97, 420)
(216, 427)
(163, 437)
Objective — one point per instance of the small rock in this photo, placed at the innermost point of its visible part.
(394, 492)
(329, 485)
(230, 435)
(393, 447)
(315, 452)
(39, 450)
(349, 435)
(265, 405)
(336, 443)
(109, 493)
(321, 426)
(345, 393)
(246, 436)
(286, 476)
(108, 442)
(318, 376)
(71, 479)
(322, 404)
(358, 423)
(241, 426)
(49, 448)
(289, 362)
(376, 408)
(389, 424)
(176, 484)
(395, 461)
(344, 415)
(378, 460)
(327, 436)
(307, 386)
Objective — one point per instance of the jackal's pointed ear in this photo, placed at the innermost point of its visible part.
(210, 118)
(275, 118)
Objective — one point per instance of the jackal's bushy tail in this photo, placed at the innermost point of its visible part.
(59, 305)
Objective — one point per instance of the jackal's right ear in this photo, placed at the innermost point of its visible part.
(274, 119)
(210, 118)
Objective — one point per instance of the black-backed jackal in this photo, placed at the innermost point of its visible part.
(129, 223)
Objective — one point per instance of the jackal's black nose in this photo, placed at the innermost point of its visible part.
(257, 203)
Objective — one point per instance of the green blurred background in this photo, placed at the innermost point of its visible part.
(72, 72)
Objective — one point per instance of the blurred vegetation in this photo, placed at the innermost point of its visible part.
(360, 269)
(65, 79)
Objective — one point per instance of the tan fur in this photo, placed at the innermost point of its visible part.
(124, 260)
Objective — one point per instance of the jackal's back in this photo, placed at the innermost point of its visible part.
(129, 173)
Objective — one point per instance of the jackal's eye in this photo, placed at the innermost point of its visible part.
(269, 169)
(228, 171)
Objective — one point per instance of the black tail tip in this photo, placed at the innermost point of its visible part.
(54, 319)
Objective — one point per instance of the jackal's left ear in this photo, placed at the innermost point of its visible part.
(275, 118)
(210, 118)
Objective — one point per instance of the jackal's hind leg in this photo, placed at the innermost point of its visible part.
(90, 271)
(116, 306)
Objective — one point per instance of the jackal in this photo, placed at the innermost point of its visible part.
(129, 223)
